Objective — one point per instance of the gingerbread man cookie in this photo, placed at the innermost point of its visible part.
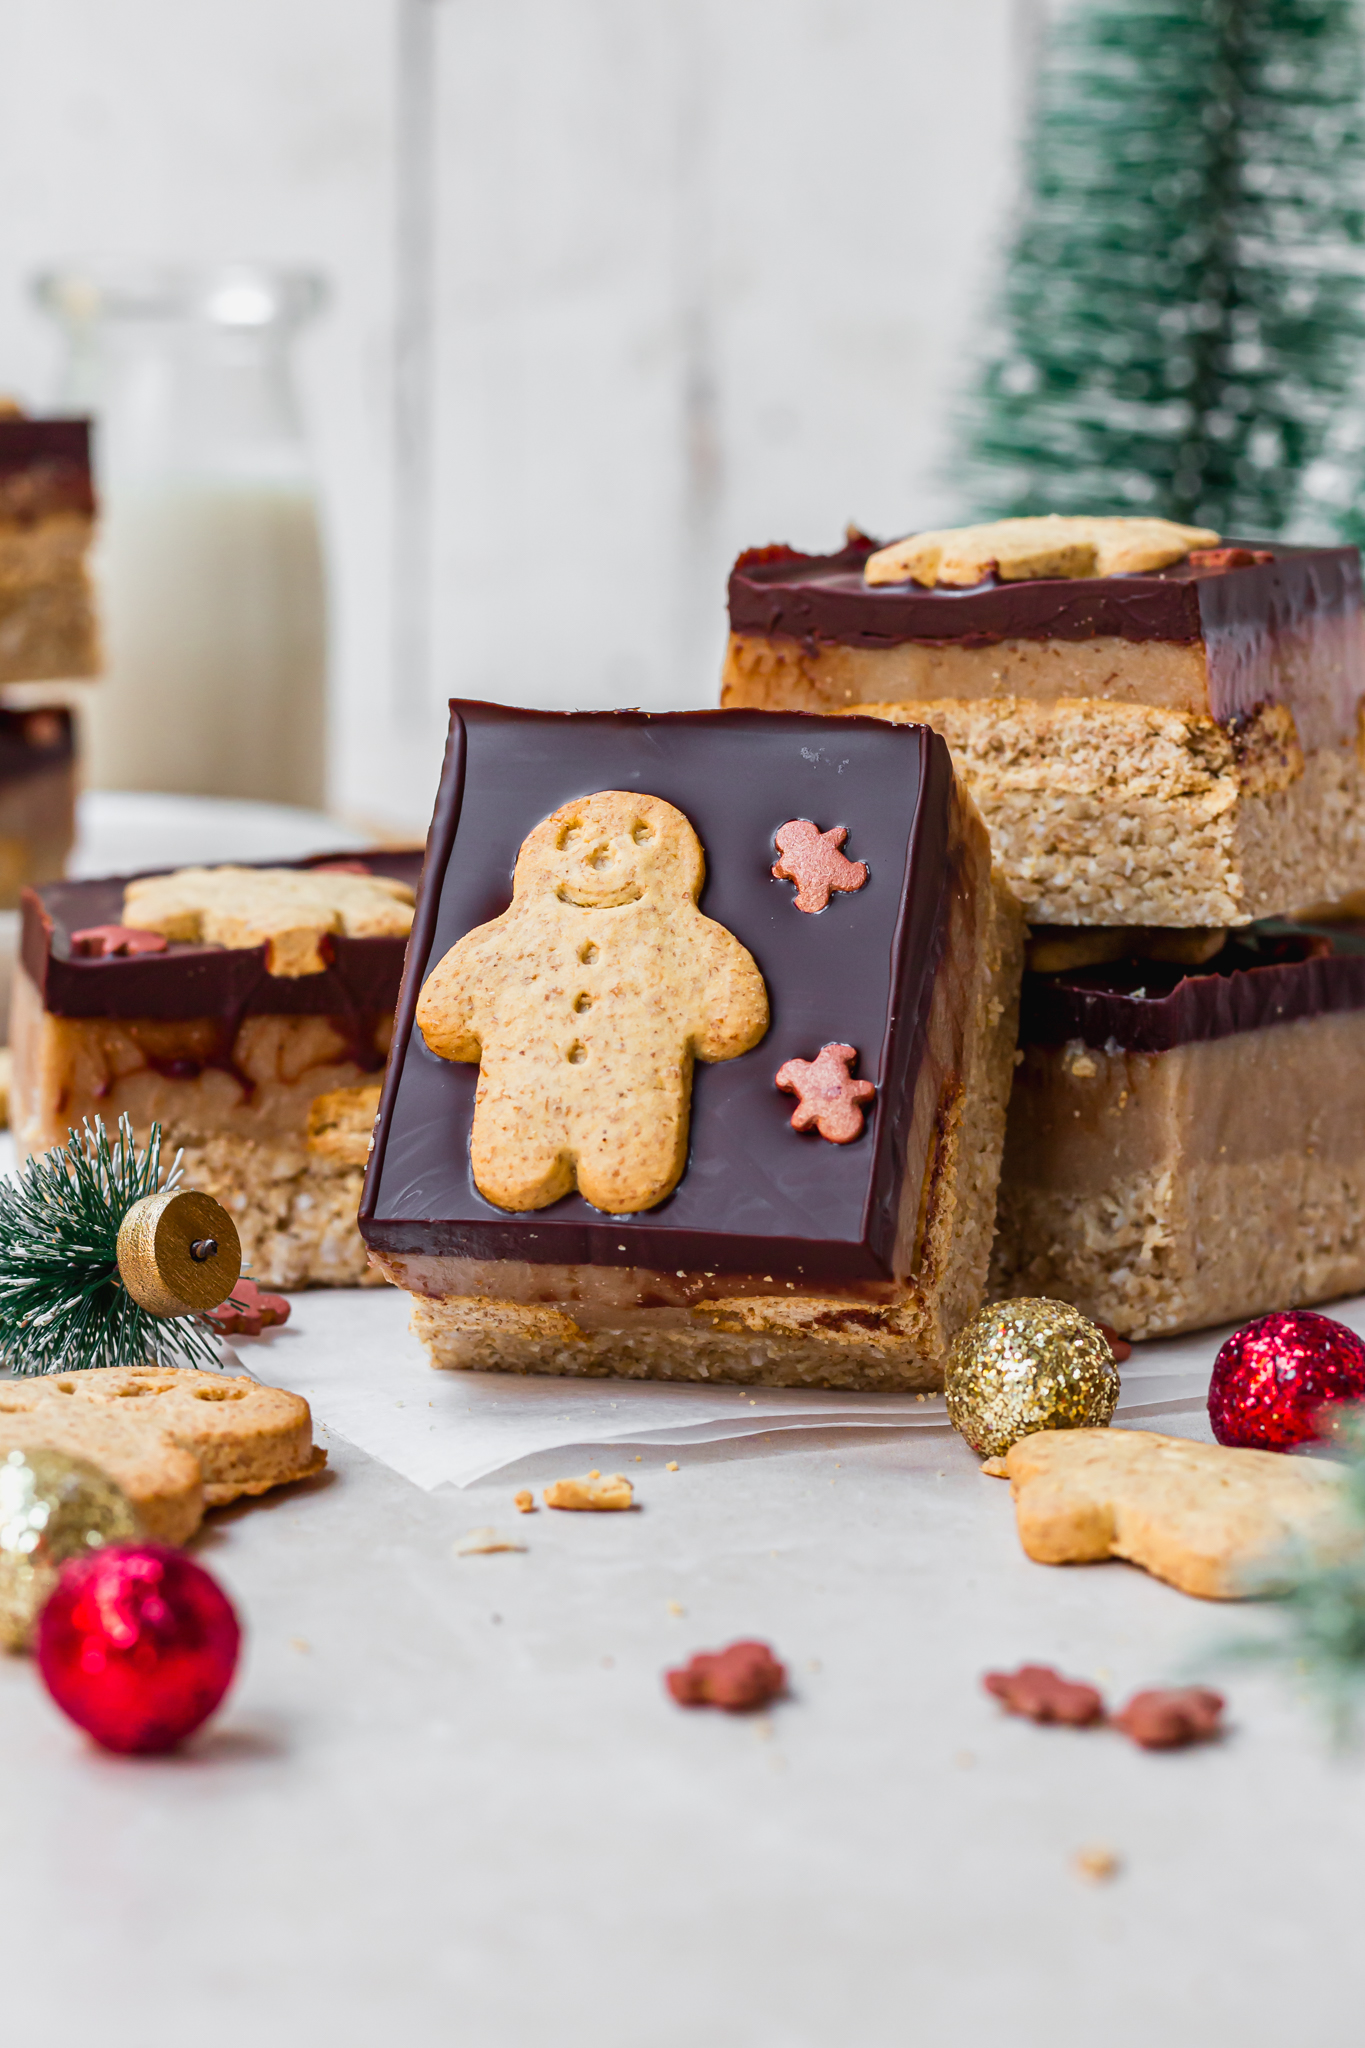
(585, 1005)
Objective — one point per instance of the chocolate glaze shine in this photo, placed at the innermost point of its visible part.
(187, 982)
(757, 1197)
(1149, 1006)
(824, 597)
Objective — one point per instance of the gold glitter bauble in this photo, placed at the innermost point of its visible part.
(1022, 1366)
(52, 1507)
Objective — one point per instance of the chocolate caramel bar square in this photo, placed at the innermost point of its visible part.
(248, 1011)
(700, 1065)
(1159, 728)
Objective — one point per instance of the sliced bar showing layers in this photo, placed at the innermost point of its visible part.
(248, 1011)
(47, 517)
(749, 983)
(1186, 1144)
(47, 633)
(1175, 745)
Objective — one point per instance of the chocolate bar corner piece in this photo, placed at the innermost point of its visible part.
(48, 628)
(1170, 747)
(267, 1081)
(755, 983)
(1186, 1143)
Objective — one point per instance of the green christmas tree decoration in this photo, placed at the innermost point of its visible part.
(1182, 313)
(1321, 1632)
(65, 1299)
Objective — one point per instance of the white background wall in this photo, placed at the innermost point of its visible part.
(621, 286)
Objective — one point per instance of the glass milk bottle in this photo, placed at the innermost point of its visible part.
(211, 567)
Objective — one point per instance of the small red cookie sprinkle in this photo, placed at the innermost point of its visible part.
(1120, 1346)
(1171, 1720)
(829, 1094)
(1230, 558)
(247, 1311)
(811, 858)
(737, 1679)
(104, 941)
(1042, 1694)
(775, 551)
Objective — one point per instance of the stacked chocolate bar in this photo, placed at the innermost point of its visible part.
(1164, 734)
(47, 633)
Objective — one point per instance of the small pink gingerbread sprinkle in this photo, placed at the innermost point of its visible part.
(829, 1094)
(811, 858)
(107, 941)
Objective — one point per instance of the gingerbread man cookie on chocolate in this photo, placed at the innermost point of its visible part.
(585, 1005)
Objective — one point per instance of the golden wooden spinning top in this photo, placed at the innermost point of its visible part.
(179, 1253)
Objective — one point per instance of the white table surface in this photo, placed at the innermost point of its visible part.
(448, 1802)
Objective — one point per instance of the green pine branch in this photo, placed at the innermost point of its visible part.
(1183, 313)
(1321, 1633)
(62, 1305)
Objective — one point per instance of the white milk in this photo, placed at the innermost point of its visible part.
(215, 616)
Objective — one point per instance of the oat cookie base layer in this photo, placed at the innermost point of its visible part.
(1176, 1190)
(1127, 806)
(589, 1320)
(47, 609)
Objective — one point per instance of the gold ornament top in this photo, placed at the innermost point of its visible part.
(52, 1507)
(179, 1253)
(1022, 1366)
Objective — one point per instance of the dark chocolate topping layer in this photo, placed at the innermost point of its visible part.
(202, 981)
(823, 597)
(31, 742)
(1266, 975)
(757, 1196)
(44, 468)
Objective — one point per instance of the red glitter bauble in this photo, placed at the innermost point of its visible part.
(137, 1645)
(1272, 1379)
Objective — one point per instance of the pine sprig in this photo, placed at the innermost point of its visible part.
(1321, 1636)
(62, 1305)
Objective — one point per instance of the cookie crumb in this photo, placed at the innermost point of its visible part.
(676, 1607)
(995, 1468)
(672, 1465)
(302, 1644)
(594, 1492)
(1097, 1865)
(484, 1542)
(524, 1502)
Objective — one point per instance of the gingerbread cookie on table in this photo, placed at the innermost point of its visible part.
(585, 1161)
